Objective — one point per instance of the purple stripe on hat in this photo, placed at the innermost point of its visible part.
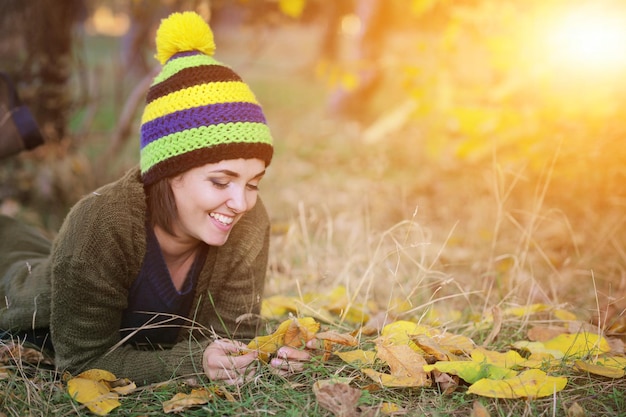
(212, 114)
(184, 53)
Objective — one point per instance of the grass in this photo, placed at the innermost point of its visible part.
(387, 221)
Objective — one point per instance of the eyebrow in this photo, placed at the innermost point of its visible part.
(234, 174)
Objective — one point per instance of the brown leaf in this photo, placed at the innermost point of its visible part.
(479, 410)
(402, 360)
(447, 383)
(338, 398)
(545, 333)
(431, 347)
(299, 332)
(17, 352)
(339, 338)
(181, 402)
(575, 410)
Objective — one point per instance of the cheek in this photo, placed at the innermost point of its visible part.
(251, 200)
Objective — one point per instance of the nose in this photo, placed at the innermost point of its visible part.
(238, 200)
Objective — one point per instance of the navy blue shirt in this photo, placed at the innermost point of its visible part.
(155, 306)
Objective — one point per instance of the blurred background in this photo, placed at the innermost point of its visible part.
(457, 153)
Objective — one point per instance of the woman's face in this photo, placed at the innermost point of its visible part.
(211, 199)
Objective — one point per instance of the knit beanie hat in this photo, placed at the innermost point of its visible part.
(198, 110)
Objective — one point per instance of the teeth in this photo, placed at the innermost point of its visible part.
(220, 218)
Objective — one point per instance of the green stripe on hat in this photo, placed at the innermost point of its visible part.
(177, 64)
(202, 137)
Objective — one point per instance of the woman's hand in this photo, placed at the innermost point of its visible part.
(289, 360)
(222, 360)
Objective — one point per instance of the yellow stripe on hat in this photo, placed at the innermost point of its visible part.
(199, 95)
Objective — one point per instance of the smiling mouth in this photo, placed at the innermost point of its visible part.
(225, 220)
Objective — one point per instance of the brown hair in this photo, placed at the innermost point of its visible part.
(162, 205)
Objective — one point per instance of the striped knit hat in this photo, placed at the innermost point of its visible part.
(198, 110)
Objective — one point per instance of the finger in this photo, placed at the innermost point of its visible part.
(292, 354)
(243, 361)
(226, 345)
(315, 344)
(286, 365)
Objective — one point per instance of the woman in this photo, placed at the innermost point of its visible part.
(161, 273)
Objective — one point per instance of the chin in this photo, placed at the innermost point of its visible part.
(216, 241)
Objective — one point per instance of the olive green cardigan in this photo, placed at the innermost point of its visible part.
(81, 290)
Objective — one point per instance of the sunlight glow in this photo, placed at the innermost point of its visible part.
(590, 38)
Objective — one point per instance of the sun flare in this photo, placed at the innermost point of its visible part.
(591, 38)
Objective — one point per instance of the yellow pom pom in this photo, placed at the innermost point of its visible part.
(181, 32)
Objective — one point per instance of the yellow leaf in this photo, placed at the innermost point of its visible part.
(454, 343)
(526, 310)
(340, 304)
(364, 357)
(597, 369)
(508, 359)
(393, 381)
(542, 360)
(390, 408)
(402, 360)
(97, 375)
(95, 395)
(528, 384)
(277, 306)
(300, 331)
(292, 8)
(400, 332)
(578, 345)
(296, 330)
(471, 371)
(565, 315)
(430, 347)
(266, 345)
(181, 402)
(538, 348)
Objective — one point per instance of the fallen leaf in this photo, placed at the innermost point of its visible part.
(528, 384)
(579, 344)
(575, 410)
(454, 343)
(358, 356)
(402, 361)
(526, 310)
(95, 395)
(181, 402)
(394, 381)
(598, 369)
(564, 315)
(338, 398)
(479, 410)
(544, 333)
(471, 371)
(277, 306)
(447, 383)
(293, 332)
(507, 359)
(430, 347)
(300, 331)
(338, 338)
